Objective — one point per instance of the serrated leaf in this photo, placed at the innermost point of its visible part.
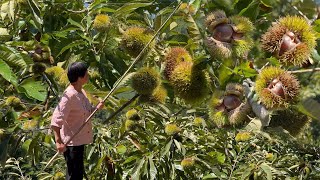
(72, 22)
(4, 10)
(36, 14)
(251, 11)
(267, 3)
(129, 7)
(247, 173)
(245, 70)
(153, 171)
(25, 146)
(167, 148)
(12, 57)
(136, 171)
(33, 89)
(72, 44)
(6, 73)
(266, 168)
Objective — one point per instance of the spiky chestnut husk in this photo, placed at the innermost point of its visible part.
(190, 83)
(188, 163)
(198, 121)
(145, 81)
(241, 47)
(230, 36)
(215, 18)
(291, 39)
(59, 176)
(243, 136)
(269, 156)
(101, 22)
(290, 119)
(218, 49)
(30, 125)
(241, 25)
(217, 110)
(37, 57)
(234, 89)
(13, 101)
(38, 68)
(135, 38)
(219, 118)
(276, 88)
(175, 56)
(172, 129)
(132, 114)
(239, 115)
(159, 95)
(94, 74)
(129, 125)
(59, 75)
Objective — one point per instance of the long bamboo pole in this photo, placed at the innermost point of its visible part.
(117, 83)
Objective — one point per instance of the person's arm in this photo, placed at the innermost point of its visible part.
(59, 116)
(61, 147)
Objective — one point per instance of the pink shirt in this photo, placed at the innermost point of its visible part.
(72, 111)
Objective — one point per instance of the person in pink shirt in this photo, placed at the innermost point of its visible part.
(71, 113)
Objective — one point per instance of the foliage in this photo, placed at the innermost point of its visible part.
(161, 135)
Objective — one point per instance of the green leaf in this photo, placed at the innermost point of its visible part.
(33, 89)
(136, 171)
(247, 173)
(12, 57)
(267, 3)
(73, 44)
(225, 73)
(72, 22)
(26, 145)
(266, 168)
(221, 157)
(121, 149)
(153, 170)
(245, 70)
(210, 176)
(3, 151)
(316, 25)
(251, 11)
(310, 107)
(6, 73)
(129, 7)
(167, 148)
(34, 6)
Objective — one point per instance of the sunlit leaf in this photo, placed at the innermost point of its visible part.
(34, 89)
(6, 73)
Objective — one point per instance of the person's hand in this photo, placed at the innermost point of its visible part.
(61, 147)
(100, 105)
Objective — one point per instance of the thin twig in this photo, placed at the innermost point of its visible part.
(305, 70)
(121, 108)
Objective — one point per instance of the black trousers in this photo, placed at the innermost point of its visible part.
(74, 158)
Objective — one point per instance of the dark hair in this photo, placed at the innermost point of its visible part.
(76, 70)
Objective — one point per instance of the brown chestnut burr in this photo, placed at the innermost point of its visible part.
(223, 32)
(38, 50)
(231, 102)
